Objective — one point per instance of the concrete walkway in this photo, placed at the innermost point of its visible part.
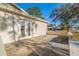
(59, 45)
(74, 48)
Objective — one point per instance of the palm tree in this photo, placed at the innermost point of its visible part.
(35, 11)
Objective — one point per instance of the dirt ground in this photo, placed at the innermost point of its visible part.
(34, 46)
(37, 46)
(75, 36)
(58, 32)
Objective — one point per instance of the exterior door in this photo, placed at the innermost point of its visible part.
(29, 29)
(23, 30)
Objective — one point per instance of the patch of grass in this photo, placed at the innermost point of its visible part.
(76, 36)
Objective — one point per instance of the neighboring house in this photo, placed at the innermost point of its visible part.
(51, 27)
(21, 25)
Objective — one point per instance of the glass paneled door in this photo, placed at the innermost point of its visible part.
(22, 29)
(26, 29)
(29, 29)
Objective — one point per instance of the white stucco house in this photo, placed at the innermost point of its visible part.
(16, 23)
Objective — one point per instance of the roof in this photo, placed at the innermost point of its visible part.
(21, 12)
(38, 19)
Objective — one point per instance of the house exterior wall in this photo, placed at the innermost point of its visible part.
(7, 35)
(41, 29)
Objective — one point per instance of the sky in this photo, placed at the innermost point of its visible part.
(46, 9)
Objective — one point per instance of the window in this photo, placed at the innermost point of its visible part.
(29, 29)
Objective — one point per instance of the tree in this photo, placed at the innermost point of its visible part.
(63, 26)
(65, 13)
(35, 11)
(53, 25)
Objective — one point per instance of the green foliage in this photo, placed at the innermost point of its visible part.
(35, 11)
(65, 13)
(63, 26)
(53, 25)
